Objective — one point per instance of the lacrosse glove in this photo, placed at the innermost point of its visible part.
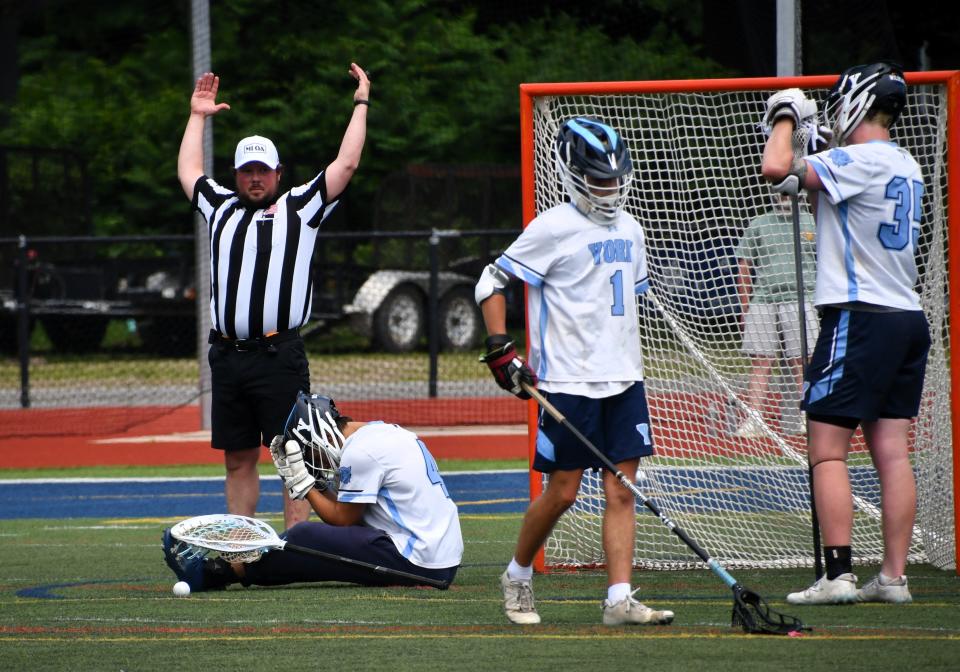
(288, 459)
(818, 137)
(507, 367)
(789, 103)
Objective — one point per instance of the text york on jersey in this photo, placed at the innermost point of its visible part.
(611, 251)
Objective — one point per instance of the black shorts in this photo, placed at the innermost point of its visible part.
(619, 426)
(253, 392)
(356, 542)
(867, 365)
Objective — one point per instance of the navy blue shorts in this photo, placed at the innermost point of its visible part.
(867, 365)
(252, 392)
(619, 426)
(357, 542)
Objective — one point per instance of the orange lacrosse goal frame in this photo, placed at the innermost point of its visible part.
(696, 147)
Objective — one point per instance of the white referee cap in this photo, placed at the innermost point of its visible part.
(256, 148)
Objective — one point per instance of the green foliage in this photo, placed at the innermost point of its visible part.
(114, 85)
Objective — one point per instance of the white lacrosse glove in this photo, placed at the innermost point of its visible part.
(818, 137)
(789, 103)
(288, 459)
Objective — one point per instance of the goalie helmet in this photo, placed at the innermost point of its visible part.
(861, 89)
(313, 424)
(588, 151)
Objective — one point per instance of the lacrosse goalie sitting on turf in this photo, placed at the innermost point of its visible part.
(383, 504)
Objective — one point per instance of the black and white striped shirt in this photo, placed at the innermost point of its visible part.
(260, 279)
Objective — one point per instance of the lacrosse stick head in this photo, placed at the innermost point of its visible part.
(313, 424)
(233, 538)
(752, 613)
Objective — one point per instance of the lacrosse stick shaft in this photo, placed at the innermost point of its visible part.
(802, 308)
(715, 566)
(376, 569)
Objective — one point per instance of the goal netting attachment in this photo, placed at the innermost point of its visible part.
(731, 463)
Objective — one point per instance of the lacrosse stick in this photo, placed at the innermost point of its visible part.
(243, 539)
(750, 611)
(801, 137)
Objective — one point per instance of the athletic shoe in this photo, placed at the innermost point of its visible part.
(883, 589)
(629, 611)
(186, 564)
(750, 429)
(518, 601)
(841, 590)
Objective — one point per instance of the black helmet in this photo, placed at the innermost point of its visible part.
(587, 147)
(313, 424)
(861, 89)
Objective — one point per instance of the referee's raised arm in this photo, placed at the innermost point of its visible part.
(339, 172)
(203, 103)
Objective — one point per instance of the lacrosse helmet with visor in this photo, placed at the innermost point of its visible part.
(594, 166)
(313, 424)
(862, 89)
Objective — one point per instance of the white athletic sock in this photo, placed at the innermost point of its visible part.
(518, 572)
(886, 580)
(618, 592)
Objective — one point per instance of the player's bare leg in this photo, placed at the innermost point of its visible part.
(544, 512)
(619, 524)
(828, 445)
(242, 484)
(887, 439)
(294, 510)
(760, 370)
(619, 533)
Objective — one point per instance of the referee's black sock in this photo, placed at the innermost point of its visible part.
(838, 561)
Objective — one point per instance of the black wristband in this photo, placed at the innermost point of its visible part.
(497, 341)
(361, 101)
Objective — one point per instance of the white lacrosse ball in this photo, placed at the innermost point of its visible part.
(181, 589)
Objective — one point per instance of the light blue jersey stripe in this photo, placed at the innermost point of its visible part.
(825, 386)
(398, 519)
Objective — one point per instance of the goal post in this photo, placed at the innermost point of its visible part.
(696, 147)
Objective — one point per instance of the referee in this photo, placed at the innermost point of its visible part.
(261, 246)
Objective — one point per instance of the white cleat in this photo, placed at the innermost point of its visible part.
(629, 611)
(883, 589)
(518, 601)
(841, 590)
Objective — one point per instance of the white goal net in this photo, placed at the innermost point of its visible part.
(731, 464)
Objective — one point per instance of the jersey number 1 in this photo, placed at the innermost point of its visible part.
(616, 280)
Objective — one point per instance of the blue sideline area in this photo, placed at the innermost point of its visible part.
(475, 492)
(744, 490)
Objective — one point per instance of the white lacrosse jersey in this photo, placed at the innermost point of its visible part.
(868, 225)
(582, 280)
(390, 469)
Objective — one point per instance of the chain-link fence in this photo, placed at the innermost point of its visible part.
(105, 329)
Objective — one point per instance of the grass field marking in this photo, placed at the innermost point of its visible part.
(481, 502)
(525, 633)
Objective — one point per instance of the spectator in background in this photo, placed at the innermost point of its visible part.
(771, 322)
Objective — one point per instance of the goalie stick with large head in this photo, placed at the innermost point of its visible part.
(750, 610)
(242, 539)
